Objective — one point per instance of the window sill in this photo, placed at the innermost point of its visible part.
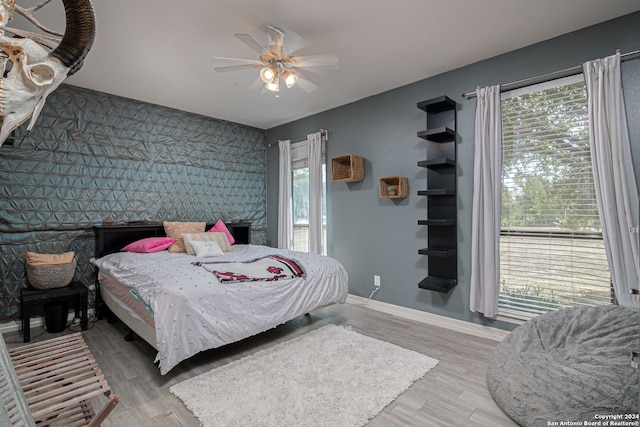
(513, 316)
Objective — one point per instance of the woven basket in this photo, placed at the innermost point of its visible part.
(400, 183)
(347, 168)
(51, 276)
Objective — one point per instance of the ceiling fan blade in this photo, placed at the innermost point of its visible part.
(255, 85)
(313, 61)
(252, 43)
(222, 58)
(276, 34)
(306, 85)
(307, 75)
(309, 49)
(237, 67)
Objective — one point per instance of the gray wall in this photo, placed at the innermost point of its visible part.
(373, 236)
(94, 157)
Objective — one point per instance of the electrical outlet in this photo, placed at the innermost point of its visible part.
(376, 281)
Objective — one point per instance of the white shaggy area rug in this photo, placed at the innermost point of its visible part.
(332, 376)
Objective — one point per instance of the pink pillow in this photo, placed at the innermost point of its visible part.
(220, 227)
(149, 245)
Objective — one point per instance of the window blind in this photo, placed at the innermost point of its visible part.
(551, 249)
(300, 154)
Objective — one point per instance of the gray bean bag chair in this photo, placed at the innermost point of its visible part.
(568, 366)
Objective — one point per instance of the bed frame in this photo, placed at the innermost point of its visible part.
(112, 238)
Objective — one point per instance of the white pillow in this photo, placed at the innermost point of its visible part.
(206, 248)
(219, 237)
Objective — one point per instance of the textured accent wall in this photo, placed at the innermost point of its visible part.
(94, 157)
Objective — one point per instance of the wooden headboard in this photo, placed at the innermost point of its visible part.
(112, 238)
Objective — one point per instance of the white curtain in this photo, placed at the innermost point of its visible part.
(613, 173)
(315, 192)
(285, 197)
(485, 220)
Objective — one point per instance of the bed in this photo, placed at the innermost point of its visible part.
(181, 305)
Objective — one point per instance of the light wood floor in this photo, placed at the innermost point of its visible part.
(454, 393)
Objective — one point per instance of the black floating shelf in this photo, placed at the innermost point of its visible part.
(437, 222)
(437, 192)
(439, 284)
(437, 105)
(441, 162)
(442, 134)
(437, 252)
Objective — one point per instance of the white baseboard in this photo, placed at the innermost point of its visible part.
(430, 318)
(16, 325)
(34, 321)
(404, 312)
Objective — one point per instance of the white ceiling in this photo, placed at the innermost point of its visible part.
(159, 51)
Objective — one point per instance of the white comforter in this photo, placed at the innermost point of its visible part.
(195, 312)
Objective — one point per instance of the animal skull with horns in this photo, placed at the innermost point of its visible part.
(34, 72)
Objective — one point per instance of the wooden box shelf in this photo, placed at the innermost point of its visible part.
(347, 168)
(393, 187)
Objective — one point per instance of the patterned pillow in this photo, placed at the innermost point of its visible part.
(219, 237)
(175, 230)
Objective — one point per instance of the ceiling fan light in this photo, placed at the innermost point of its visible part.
(268, 75)
(273, 87)
(289, 78)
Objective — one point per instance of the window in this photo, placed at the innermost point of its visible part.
(551, 249)
(300, 180)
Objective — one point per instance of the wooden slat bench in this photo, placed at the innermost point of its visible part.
(58, 378)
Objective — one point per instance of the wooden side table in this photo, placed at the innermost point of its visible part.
(76, 293)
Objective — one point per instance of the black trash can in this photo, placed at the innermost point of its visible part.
(55, 316)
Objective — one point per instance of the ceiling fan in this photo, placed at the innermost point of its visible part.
(276, 64)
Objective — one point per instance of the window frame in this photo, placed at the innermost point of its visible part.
(300, 160)
(506, 313)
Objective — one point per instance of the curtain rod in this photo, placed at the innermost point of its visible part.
(323, 132)
(550, 74)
